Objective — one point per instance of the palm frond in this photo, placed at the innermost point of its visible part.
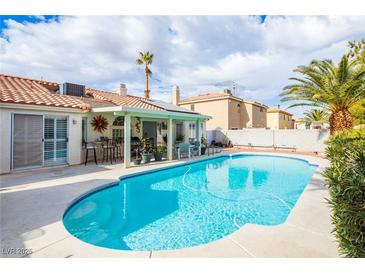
(323, 84)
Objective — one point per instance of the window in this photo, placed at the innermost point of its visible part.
(117, 127)
(119, 121)
(179, 133)
(192, 130)
(84, 130)
(192, 107)
(117, 133)
(239, 108)
(261, 109)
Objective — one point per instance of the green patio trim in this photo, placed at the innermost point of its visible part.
(122, 110)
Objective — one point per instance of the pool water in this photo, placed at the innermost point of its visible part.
(190, 205)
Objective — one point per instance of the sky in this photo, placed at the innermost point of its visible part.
(201, 54)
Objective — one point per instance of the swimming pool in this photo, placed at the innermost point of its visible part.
(190, 204)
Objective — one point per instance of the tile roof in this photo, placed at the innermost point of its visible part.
(275, 110)
(206, 96)
(21, 90)
(15, 89)
(128, 100)
(217, 96)
(96, 103)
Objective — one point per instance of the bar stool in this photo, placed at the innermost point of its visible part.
(118, 148)
(90, 146)
(108, 150)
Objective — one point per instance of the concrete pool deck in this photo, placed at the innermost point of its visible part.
(33, 202)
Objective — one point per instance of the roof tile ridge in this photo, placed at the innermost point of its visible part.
(27, 78)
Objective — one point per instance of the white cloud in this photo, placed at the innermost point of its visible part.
(194, 52)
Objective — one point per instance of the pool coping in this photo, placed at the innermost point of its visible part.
(311, 160)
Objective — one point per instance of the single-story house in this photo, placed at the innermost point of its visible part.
(46, 123)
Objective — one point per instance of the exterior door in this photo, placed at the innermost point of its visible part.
(55, 141)
(27, 144)
(150, 130)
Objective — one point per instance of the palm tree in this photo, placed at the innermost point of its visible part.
(146, 58)
(357, 50)
(332, 87)
(316, 116)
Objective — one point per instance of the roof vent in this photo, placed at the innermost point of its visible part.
(72, 89)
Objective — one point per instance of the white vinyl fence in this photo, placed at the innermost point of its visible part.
(302, 139)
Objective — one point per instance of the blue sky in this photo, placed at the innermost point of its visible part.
(198, 53)
(25, 19)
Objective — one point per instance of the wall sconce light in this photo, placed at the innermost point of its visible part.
(74, 121)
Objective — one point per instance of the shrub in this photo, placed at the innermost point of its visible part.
(146, 145)
(346, 182)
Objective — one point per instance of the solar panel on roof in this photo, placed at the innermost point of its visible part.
(169, 107)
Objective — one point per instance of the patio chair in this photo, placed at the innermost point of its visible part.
(90, 146)
(195, 149)
(183, 150)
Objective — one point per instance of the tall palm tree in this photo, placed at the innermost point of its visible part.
(332, 87)
(146, 58)
(316, 116)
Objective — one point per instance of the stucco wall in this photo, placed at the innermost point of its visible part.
(5, 141)
(306, 140)
(238, 117)
(226, 114)
(74, 134)
(217, 109)
(286, 121)
(276, 120)
(247, 122)
(258, 117)
(272, 121)
(93, 135)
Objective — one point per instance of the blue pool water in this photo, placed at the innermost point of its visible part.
(191, 204)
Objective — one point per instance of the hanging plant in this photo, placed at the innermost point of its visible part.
(138, 125)
(99, 123)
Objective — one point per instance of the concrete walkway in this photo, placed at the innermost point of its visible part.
(33, 202)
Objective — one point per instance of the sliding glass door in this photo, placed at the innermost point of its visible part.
(27, 141)
(55, 140)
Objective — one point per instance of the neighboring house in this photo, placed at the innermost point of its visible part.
(279, 119)
(227, 111)
(319, 125)
(301, 123)
(45, 123)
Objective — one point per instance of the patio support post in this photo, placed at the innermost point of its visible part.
(127, 141)
(169, 139)
(198, 135)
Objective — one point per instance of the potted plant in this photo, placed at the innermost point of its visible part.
(203, 143)
(158, 152)
(146, 149)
